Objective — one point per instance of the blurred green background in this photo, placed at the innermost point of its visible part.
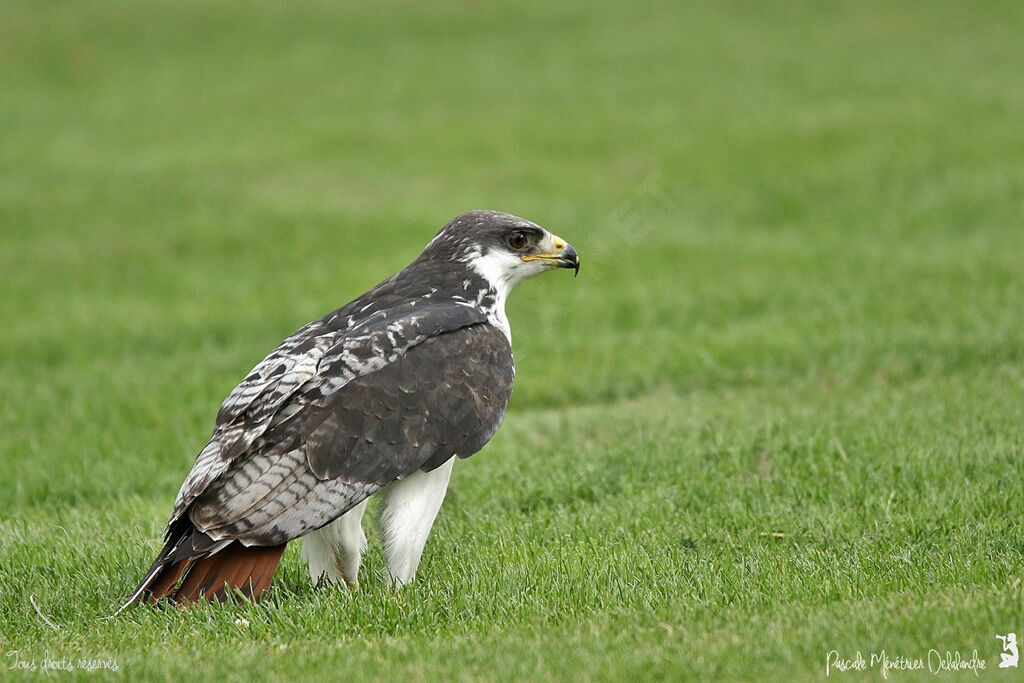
(799, 313)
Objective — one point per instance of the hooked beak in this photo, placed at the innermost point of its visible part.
(563, 255)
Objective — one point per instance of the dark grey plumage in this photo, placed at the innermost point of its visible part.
(444, 396)
(401, 379)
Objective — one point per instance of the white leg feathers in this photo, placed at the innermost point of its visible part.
(335, 551)
(407, 512)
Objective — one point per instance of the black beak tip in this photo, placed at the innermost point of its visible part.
(571, 259)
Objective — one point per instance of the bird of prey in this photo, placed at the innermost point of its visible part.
(378, 397)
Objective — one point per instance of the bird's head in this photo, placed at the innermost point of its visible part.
(502, 248)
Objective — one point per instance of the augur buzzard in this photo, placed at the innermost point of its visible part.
(379, 396)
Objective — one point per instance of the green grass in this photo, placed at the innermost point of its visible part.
(778, 413)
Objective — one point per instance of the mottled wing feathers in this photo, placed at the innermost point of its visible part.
(442, 397)
(313, 368)
(286, 368)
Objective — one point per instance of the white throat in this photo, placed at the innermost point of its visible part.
(502, 271)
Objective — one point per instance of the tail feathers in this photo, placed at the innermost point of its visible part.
(165, 580)
(236, 567)
(225, 567)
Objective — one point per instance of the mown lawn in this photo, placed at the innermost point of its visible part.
(779, 412)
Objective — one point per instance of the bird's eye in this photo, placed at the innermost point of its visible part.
(517, 240)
